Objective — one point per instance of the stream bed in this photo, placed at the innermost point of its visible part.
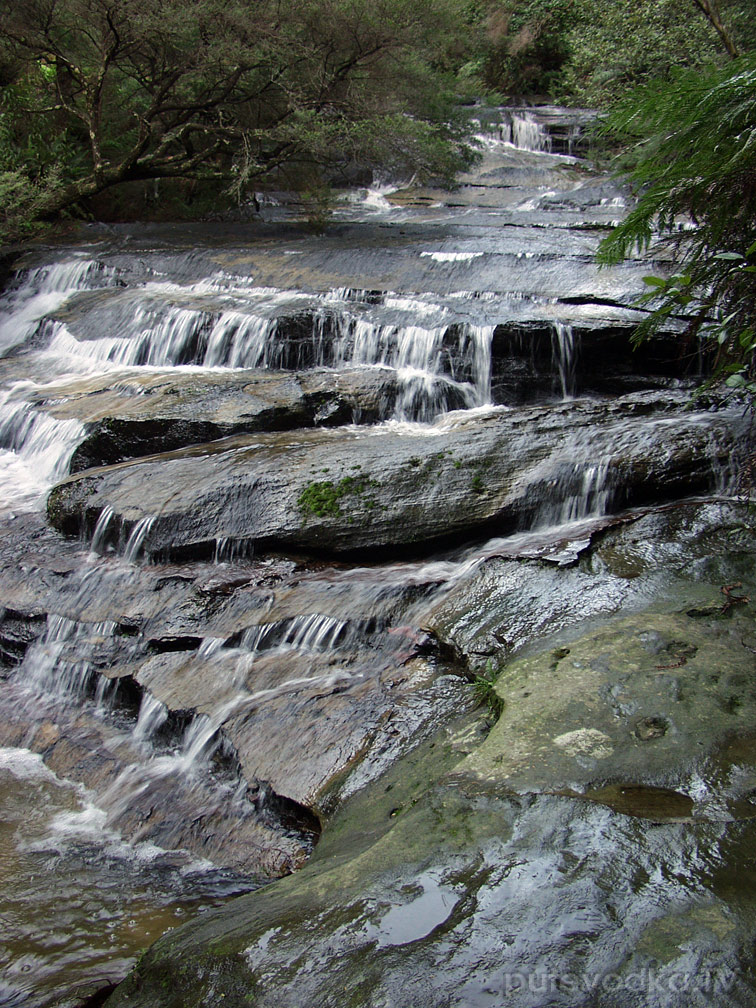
(374, 576)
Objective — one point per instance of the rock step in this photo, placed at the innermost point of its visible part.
(129, 414)
(340, 491)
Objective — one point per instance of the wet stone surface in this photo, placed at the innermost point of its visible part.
(326, 539)
(361, 489)
(561, 855)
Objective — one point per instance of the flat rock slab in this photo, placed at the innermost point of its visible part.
(644, 701)
(340, 491)
(129, 414)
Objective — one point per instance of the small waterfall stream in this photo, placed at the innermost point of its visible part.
(203, 695)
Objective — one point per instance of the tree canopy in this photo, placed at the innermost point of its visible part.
(593, 51)
(95, 93)
(229, 97)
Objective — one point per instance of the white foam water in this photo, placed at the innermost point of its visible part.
(42, 291)
(35, 449)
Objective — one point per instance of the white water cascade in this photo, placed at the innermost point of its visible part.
(565, 349)
(527, 134)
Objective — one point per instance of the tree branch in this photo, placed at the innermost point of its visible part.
(709, 9)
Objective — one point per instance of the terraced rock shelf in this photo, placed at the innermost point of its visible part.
(374, 579)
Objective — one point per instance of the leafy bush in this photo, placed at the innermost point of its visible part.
(692, 164)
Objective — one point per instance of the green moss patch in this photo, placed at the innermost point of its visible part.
(322, 497)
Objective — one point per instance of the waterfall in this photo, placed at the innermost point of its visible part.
(527, 134)
(439, 366)
(35, 448)
(593, 493)
(152, 716)
(101, 531)
(236, 340)
(136, 539)
(564, 352)
(310, 632)
(60, 664)
(41, 291)
(518, 128)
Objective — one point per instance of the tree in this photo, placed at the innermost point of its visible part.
(692, 165)
(230, 90)
(709, 10)
(526, 45)
(615, 47)
(593, 51)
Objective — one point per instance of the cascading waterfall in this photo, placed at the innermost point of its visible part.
(527, 134)
(565, 349)
(592, 497)
(101, 531)
(35, 449)
(152, 716)
(207, 655)
(433, 372)
(439, 367)
(61, 664)
(136, 539)
(41, 291)
(310, 632)
(518, 128)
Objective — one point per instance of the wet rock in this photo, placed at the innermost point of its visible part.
(132, 415)
(494, 899)
(651, 728)
(299, 719)
(296, 700)
(654, 803)
(598, 356)
(620, 565)
(202, 812)
(342, 491)
(17, 632)
(535, 859)
(560, 726)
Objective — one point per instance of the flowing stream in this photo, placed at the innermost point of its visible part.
(178, 698)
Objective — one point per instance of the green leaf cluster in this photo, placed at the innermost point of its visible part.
(691, 159)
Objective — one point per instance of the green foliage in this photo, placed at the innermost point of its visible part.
(19, 199)
(614, 47)
(322, 498)
(692, 162)
(484, 688)
(591, 52)
(212, 90)
(33, 162)
(527, 44)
